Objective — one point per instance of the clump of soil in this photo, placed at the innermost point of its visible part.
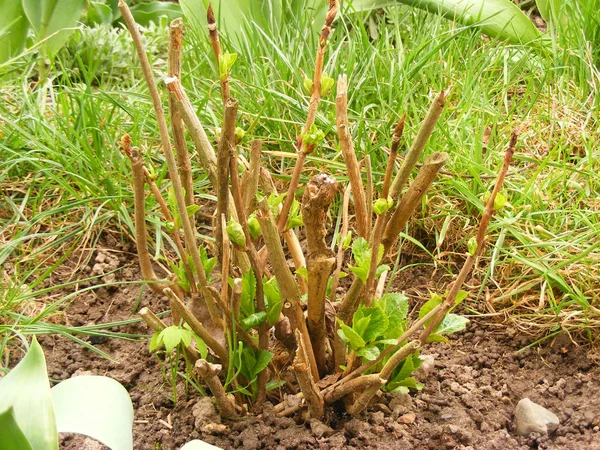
(471, 389)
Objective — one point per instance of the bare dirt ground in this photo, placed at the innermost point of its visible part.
(468, 401)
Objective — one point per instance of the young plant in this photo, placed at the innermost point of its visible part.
(256, 316)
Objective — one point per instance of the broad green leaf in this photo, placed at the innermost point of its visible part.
(98, 13)
(171, 337)
(430, 304)
(361, 273)
(262, 361)
(370, 352)
(248, 293)
(377, 325)
(361, 252)
(186, 336)
(437, 338)
(273, 300)
(395, 307)
(500, 19)
(350, 336)
(50, 19)
(144, 13)
(155, 341)
(13, 29)
(11, 436)
(360, 324)
(197, 444)
(95, 406)
(452, 323)
(26, 388)
(253, 320)
(201, 346)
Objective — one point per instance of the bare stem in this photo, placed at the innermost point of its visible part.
(315, 98)
(410, 200)
(318, 195)
(427, 126)
(347, 146)
(488, 212)
(250, 180)
(340, 251)
(213, 34)
(177, 126)
(313, 397)
(209, 373)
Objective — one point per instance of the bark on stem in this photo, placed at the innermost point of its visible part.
(347, 146)
(313, 397)
(213, 34)
(285, 280)
(410, 200)
(189, 232)
(141, 239)
(315, 98)
(427, 126)
(225, 153)
(177, 126)
(197, 327)
(320, 260)
(209, 373)
(250, 179)
(488, 212)
(340, 251)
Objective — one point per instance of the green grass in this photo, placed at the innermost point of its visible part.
(65, 182)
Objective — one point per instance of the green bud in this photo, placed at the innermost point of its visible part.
(381, 205)
(326, 84)
(307, 85)
(313, 136)
(226, 61)
(170, 226)
(218, 131)
(347, 239)
(254, 227)
(239, 134)
(499, 201)
(236, 233)
(472, 246)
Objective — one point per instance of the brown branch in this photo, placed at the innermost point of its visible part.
(209, 373)
(313, 397)
(317, 198)
(225, 153)
(213, 34)
(174, 70)
(340, 250)
(370, 190)
(250, 179)
(315, 98)
(188, 230)
(488, 212)
(197, 327)
(347, 146)
(346, 311)
(411, 199)
(292, 307)
(139, 199)
(427, 126)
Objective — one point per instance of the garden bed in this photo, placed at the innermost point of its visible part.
(468, 401)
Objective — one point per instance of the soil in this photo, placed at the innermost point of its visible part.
(471, 387)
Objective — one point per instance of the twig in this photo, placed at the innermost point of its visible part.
(320, 260)
(213, 34)
(174, 70)
(310, 118)
(480, 239)
(251, 176)
(197, 327)
(410, 200)
(313, 397)
(370, 190)
(189, 233)
(139, 213)
(349, 154)
(285, 280)
(225, 152)
(209, 373)
(340, 251)
(427, 126)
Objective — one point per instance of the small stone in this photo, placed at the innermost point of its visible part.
(319, 429)
(407, 418)
(533, 418)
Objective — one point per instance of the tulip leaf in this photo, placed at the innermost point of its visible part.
(13, 29)
(26, 388)
(95, 406)
(11, 436)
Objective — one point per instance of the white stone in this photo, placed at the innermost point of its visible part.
(533, 418)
